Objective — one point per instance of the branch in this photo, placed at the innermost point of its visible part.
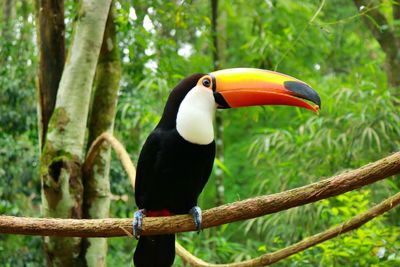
(273, 257)
(266, 258)
(396, 9)
(121, 152)
(190, 258)
(241, 210)
(387, 166)
(128, 167)
(374, 20)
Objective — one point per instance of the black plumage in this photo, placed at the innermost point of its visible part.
(173, 171)
(171, 174)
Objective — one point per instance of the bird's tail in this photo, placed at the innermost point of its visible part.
(155, 251)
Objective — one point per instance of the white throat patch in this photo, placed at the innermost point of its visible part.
(194, 121)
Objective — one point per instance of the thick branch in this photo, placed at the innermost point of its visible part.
(241, 210)
(273, 257)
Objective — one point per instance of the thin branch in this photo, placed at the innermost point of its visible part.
(188, 257)
(193, 260)
(119, 149)
(296, 41)
(311, 241)
(270, 258)
(374, 20)
(35, 224)
(396, 9)
(129, 169)
(241, 210)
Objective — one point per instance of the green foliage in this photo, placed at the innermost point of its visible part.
(373, 245)
(19, 181)
(282, 148)
(267, 149)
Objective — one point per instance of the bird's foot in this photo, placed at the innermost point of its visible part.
(137, 222)
(196, 214)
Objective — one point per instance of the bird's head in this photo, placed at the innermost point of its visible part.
(191, 105)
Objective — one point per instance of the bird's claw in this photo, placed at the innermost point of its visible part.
(196, 214)
(137, 222)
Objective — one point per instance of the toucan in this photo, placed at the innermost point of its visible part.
(177, 158)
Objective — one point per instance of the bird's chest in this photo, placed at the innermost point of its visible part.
(185, 162)
(179, 171)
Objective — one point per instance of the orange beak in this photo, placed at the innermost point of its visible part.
(242, 87)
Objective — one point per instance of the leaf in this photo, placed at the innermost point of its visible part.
(222, 166)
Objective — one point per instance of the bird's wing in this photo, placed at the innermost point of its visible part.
(146, 168)
(207, 168)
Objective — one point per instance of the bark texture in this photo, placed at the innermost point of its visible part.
(240, 210)
(386, 34)
(50, 33)
(273, 257)
(219, 121)
(62, 155)
(268, 258)
(19, 225)
(96, 202)
(119, 149)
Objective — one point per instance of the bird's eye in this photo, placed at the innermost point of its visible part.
(206, 82)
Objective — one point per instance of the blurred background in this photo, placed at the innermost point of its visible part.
(348, 51)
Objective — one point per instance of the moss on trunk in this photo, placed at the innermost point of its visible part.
(62, 157)
(96, 181)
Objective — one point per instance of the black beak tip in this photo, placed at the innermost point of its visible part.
(304, 91)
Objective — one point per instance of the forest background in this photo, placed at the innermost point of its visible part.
(347, 50)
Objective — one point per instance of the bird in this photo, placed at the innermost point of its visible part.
(176, 159)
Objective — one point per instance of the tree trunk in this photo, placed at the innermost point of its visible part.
(62, 155)
(96, 202)
(219, 122)
(51, 45)
(7, 18)
(386, 35)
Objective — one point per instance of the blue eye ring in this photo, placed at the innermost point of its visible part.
(206, 82)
